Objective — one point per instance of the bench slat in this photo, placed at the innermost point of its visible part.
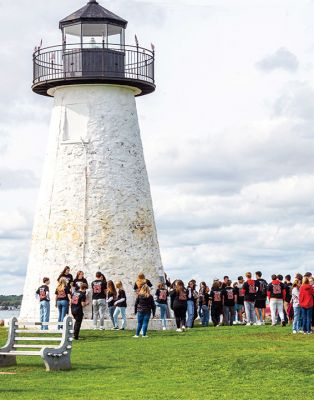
(48, 339)
(32, 346)
(38, 323)
(21, 353)
(40, 332)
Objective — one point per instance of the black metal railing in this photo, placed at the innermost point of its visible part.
(93, 61)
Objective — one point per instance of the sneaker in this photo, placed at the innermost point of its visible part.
(309, 333)
(283, 323)
(258, 323)
(179, 330)
(248, 324)
(263, 322)
(101, 328)
(273, 324)
(294, 331)
(115, 328)
(164, 328)
(183, 328)
(135, 337)
(121, 329)
(144, 336)
(95, 328)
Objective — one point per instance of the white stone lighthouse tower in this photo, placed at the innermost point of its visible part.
(95, 209)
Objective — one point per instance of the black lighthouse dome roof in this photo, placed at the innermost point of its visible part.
(93, 12)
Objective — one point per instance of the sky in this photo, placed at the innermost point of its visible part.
(228, 135)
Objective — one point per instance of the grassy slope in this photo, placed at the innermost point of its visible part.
(223, 363)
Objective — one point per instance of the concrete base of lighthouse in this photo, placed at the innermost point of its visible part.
(95, 210)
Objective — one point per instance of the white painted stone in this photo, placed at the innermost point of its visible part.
(95, 209)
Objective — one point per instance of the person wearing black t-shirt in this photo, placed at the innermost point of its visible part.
(161, 297)
(62, 299)
(261, 296)
(44, 299)
(111, 298)
(68, 277)
(79, 280)
(287, 301)
(203, 300)
(249, 290)
(120, 305)
(240, 300)
(144, 307)
(276, 294)
(78, 301)
(229, 298)
(99, 287)
(216, 303)
(178, 303)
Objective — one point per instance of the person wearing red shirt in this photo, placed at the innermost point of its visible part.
(306, 304)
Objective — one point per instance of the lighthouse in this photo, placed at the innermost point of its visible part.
(95, 210)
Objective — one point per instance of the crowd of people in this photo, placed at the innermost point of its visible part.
(224, 302)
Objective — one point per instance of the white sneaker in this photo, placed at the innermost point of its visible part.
(164, 328)
(183, 328)
(144, 336)
(101, 328)
(263, 322)
(258, 323)
(248, 324)
(294, 331)
(95, 328)
(179, 330)
(135, 337)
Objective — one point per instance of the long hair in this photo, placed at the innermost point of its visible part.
(161, 286)
(62, 282)
(111, 288)
(63, 272)
(145, 292)
(305, 281)
(78, 274)
(296, 283)
(179, 286)
(140, 280)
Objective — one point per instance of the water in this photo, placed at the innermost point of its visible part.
(5, 314)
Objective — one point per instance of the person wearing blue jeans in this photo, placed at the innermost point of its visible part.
(142, 323)
(63, 298)
(163, 313)
(307, 319)
(192, 295)
(161, 297)
(205, 315)
(44, 298)
(120, 304)
(44, 313)
(144, 307)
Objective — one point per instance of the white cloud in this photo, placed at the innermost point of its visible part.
(281, 59)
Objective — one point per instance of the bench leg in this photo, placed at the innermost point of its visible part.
(7, 361)
(57, 363)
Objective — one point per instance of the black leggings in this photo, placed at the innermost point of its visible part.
(78, 316)
(216, 311)
(180, 315)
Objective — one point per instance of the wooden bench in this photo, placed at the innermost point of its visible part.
(53, 346)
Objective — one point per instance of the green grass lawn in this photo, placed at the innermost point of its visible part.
(203, 363)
